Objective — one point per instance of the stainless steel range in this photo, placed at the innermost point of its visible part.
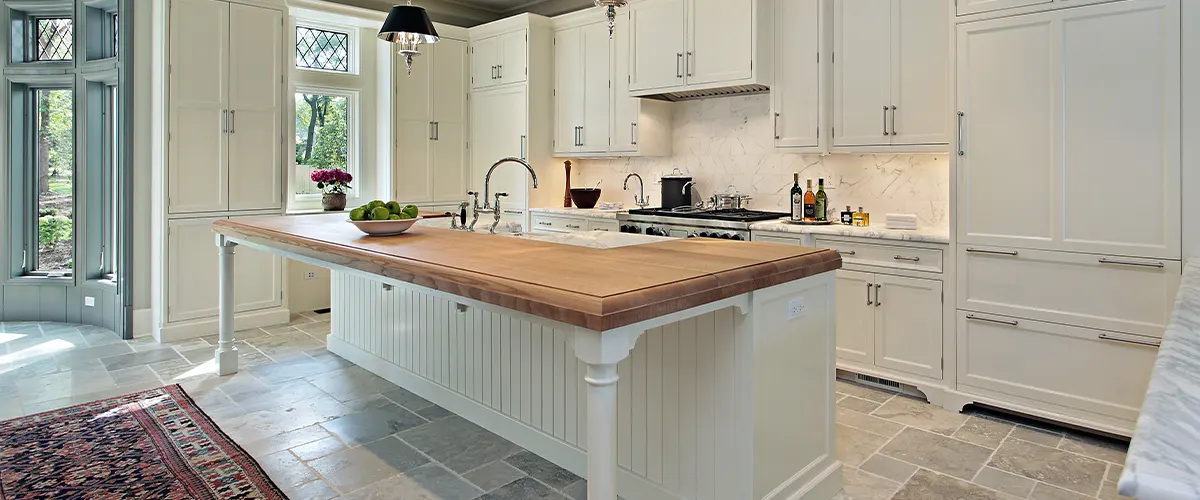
(731, 224)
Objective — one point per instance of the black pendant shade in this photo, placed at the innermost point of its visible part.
(408, 23)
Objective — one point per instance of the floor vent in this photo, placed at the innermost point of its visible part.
(877, 382)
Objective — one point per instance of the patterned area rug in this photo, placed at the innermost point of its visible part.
(152, 444)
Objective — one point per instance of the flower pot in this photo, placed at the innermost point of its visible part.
(333, 202)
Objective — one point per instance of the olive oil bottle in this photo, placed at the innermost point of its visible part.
(822, 201)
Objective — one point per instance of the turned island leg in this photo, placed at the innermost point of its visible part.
(601, 351)
(227, 354)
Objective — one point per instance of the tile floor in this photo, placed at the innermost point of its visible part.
(323, 428)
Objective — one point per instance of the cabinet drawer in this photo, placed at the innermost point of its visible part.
(892, 256)
(1082, 371)
(554, 223)
(602, 225)
(1096, 291)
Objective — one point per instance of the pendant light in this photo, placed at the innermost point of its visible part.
(408, 26)
(610, 8)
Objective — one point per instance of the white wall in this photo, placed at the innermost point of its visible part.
(142, 159)
(303, 293)
(729, 140)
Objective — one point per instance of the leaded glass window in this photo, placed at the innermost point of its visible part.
(322, 49)
(55, 39)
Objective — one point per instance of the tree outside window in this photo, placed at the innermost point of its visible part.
(55, 179)
(322, 136)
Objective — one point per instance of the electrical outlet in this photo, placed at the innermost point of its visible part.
(310, 275)
(795, 308)
(89, 301)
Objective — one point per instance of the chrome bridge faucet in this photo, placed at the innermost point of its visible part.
(487, 185)
(641, 202)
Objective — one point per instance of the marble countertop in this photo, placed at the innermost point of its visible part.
(594, 213)
(1164, 457)
(924, 235)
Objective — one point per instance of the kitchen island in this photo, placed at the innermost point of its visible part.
(723, 350)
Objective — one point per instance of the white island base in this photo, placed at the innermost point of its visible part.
(730, 400)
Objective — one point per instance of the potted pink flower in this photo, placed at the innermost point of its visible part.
(334, 182)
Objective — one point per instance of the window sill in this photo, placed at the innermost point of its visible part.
(41, 280)
(102, 283)
(314, 211)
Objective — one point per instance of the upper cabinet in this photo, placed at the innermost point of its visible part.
(890, 74)
(796, 93)
(431, 125)
(595, 116)
(1045, 150)
(695, 45)
(991, 8)
(225, 114)
(500, 59)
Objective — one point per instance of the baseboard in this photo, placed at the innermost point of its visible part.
(185, 330)
(822, 486)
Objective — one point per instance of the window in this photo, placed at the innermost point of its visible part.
(111, 180)
(322, 136)
(54, 175)
(322, 49)
(55, 39)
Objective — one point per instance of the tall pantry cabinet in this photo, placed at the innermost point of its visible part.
(1068, 222)
(431, 125)
(225, 101)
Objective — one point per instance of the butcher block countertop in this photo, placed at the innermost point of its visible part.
(595, 288)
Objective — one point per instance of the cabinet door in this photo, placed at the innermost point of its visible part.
(514, 57)
(255, 94)
(597, 88)
(1007, 187)
(855, 316)
(485, 56)
(258, 278)
(796, 95)
(450, 117)
(965, 7)
(657, 53)
(861, 72)
(626, 109)
(908, 325)
(1117, 117)
(192, 277)
(920, 72)
(720, 41)
(498, 125)
(413, 181)
(568, 89)
(197, 155)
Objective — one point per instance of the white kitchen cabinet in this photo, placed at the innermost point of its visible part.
(569, 82)
(499, 122)
(1045, 151)
(908, 325)
(855, 316)
(978, 9)
(225, 149)
(192, 291)
(890, 72)
(431, 125)
(557, 222)
(500, 59)
(796, 94)
(640, 127)
(695, 45)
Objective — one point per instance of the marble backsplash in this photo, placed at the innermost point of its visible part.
(728, 141)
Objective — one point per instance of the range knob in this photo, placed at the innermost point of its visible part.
(654, 231)
(628, 228)
(724, 236)
(738, 237)
(706, 234)
(693, 235)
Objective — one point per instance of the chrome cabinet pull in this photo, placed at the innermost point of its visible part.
(777, 125)
(993, 252)
(543, 223)
(689, 64)
(885, 130)
(499, 71)
(581, 135)
(224, 121)
(573, 227)
(233, 121)
(869, 295)
(960, 134)
(846, 252)
(633, 133)
(878, 302)
(990, 320)
(1105, 336)
(437, 131)
(522, 147)
(894, 120)
(1106, 260)
(514, 212)
(910, 259)
(679, 65)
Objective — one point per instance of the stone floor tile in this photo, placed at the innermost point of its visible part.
(407, 399)
(63, 385)
(911, 412)
(278, 329)
(276, 395)
(247, 334)
(120, 361)
(855, 446)
(860, 485)
(493, 475)
(31, 342)
(1049, 465)
(373, 424)
(199, 354)
(1109, 492)
(938, 453)
(889, 468)
(314, 490)
(982, 431)
(284, 344)
(523, 489)
(1114, 472)
(285, 440)
(134, 375)
(368, 402)
(864, 392)
(351, 383)
(93, 352)
(541, 469)
(1043, 491)
(286, 470)
(298, 367)
(434, 482)
(1004, 482)
(1109, 450)
(857, 404)
(927, 485)
(868, 423)
(434, 412)
(397, 453)
(318, 449)
(577, 491)
(297, 318)
(357, 467)
(266, 423)
(96, 336)
(1035, 435)
(315, 328)
(458, 444)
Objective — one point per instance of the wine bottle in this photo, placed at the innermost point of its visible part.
(797, 198)
(822, 200)
(810, 203)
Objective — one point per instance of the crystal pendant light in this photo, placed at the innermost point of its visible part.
(610, 8)
(408, 26)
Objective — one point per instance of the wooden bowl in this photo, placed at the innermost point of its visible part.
(384, 227)
(585, 197)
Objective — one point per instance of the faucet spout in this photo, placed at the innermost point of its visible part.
(640, 199)
(487, 180)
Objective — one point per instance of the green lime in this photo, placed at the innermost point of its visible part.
(393, 217)
(411, 210)
(358, 214)
(376, 203)
(380, 213)
(393, 207)
(403, 216)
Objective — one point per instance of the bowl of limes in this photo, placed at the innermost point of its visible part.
(384, 219)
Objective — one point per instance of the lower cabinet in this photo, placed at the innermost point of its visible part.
(892, 322)
(561, 223)
(192, 273)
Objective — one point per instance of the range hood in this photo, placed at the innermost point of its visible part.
(688, 95)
